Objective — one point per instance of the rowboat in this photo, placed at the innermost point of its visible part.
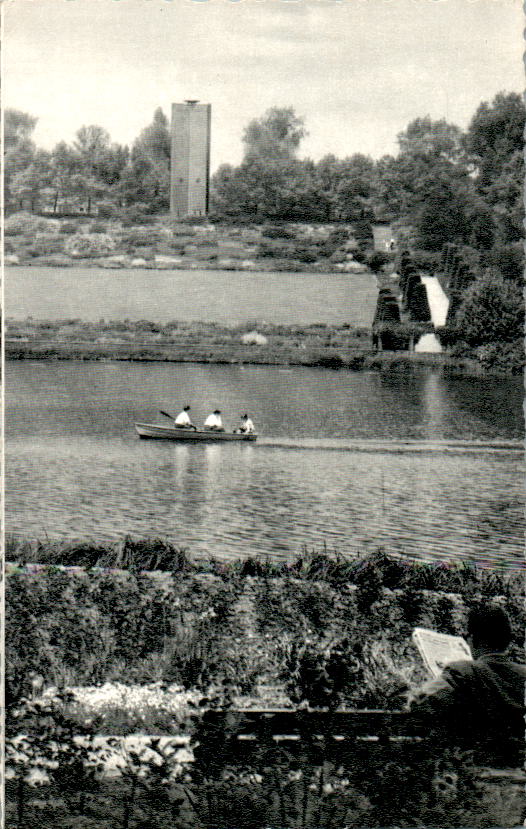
(153, 430)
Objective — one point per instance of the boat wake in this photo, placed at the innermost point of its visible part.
(395, 446)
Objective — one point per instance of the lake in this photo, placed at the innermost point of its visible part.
(422, 464)
(226, 297)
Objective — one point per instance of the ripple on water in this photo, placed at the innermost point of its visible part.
(436, 506)
(422, 464)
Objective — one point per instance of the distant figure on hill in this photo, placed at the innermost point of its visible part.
(213, 422)
(182, 421)
(247, 427)
(479, 704)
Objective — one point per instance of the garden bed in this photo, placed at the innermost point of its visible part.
(131, 670)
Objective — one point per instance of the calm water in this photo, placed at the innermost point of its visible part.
(331, 466)
(227, 297)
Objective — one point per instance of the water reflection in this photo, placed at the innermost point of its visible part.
(75, 468)
(434, 403)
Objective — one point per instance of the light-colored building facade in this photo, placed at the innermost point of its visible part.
(190, 159)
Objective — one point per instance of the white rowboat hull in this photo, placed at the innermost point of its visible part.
(152, 430)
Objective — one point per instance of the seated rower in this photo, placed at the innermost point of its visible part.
(247, 427)
(182, 421)
(213, 422)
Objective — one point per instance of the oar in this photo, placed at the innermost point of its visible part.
(173, 419)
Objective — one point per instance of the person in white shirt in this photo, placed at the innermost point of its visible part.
(182, 421)
(247, 427)
(214, 422)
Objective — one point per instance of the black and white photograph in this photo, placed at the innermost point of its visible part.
(263, 441)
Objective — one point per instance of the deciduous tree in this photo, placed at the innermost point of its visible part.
(276, 135)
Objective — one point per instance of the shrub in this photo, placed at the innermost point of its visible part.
(137, 215)
(508, 260)
(276, 251)
(98, 227)
(106, 210)
(68, 228)
(504, 357)
(492, 311)
(45, 244)
(305, 253)
(87, 246)
(363, 233)
(144, 236)
(427, 261)
(377, 260)
(277, 232)
(360, 256)
(338, 256)
(387, 309)
(22, 223)
(338, 236)
(417, 303)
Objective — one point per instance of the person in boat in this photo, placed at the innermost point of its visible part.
(479, 704)
(247, 427)
(182, 421)
(213, 422)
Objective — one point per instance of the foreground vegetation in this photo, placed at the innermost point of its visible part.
(323, 630)
(96, 645)
(309, 788)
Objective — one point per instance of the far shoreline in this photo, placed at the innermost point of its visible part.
(233, 351)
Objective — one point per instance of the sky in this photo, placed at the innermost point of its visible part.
(357, 71)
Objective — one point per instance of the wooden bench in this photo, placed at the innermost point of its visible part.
(239, 735)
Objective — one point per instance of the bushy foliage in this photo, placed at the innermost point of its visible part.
(107, 210)
(492, 311)
(18, 224)
(427, 261)
(87, 245)
(316, 782)
(84, 627)
(507, 260)
(377, 260)
(98, 227)
(278, 232)
(141, 237)
(337, 631)
(44, 244)
(507, 358)
(68, 228)
(137, 214)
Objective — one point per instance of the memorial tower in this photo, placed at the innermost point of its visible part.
(190, 159)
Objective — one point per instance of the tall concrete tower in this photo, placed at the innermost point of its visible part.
(190, 159)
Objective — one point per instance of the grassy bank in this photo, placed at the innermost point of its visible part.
(266, 344)
(253, 343)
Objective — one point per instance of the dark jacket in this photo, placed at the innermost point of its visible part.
(478, 705)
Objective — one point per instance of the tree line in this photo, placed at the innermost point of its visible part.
(92, 169)
(444, 185)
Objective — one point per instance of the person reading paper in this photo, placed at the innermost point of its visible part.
(479, 703)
